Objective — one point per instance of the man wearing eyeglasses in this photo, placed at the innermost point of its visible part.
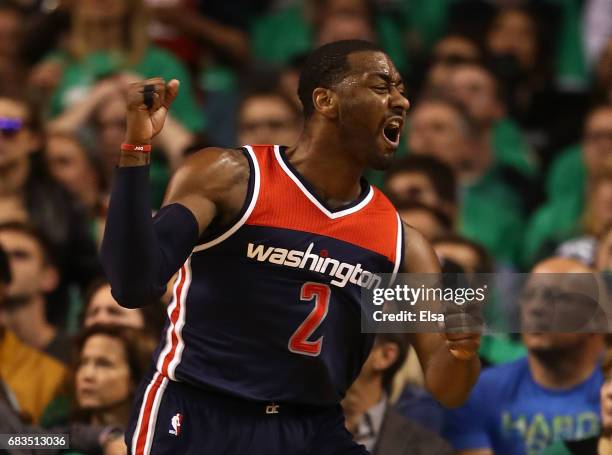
(523, 406)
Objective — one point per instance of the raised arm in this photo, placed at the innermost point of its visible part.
(139, 253)
(449, 360)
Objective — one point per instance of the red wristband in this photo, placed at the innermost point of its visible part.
(145, 148)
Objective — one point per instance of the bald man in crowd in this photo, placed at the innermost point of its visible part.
(553, 392)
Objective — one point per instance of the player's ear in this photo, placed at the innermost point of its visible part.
(325, 101)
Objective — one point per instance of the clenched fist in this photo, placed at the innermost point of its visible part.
(148, 102)
(463, 329)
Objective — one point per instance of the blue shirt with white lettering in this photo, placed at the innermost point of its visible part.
(509, 413)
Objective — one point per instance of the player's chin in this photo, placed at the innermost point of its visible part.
(382, 159)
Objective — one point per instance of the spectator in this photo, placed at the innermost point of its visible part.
(441, 128)
(102, 309)
(424, 179)
(370, 417)
(517, 408)
(559, 219)
(520, 43)
(477, 89)
(34, 276)
(107, 39)
(29, 379)
(492, 208)
(104, 395)
(568, 174)
(28, 195)
(268, 117)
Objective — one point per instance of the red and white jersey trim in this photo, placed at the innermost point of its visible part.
(170, 356)
(145, 427)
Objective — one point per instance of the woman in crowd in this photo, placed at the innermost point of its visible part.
(111, 363)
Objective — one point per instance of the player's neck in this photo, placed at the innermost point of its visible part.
(322, 161)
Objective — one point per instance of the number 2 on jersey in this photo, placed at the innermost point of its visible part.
(298, 342)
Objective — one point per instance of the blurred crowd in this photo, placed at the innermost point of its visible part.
(505, 164)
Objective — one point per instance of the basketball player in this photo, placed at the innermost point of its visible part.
(273, 246)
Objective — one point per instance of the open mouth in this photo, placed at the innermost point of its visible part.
(392, 131)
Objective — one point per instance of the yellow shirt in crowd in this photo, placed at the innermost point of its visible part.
(32, 376)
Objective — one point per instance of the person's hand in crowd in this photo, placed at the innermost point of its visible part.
(46, 75)
(81, 112)
(109, 86)
(126, 78)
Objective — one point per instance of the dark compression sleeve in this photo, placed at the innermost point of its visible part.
(139, 253)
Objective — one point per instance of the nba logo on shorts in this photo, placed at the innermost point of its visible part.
(176, 421)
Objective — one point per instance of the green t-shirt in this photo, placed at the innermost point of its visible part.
(550, 225)
(557, 448)
(511, 148)
(491, 214)
(567, 174)
(79, 75)
(500, 348)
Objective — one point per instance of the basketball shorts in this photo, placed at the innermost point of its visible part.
(171, 417)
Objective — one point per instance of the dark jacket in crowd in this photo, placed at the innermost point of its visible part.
(400, 436)
(55, 213)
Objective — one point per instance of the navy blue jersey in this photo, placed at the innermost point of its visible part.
(270, 309)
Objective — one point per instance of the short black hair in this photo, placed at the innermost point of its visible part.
(326, 66)
(442, 218)
(35, 234)
(402, 346)
(485, 262)
(438, 173)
